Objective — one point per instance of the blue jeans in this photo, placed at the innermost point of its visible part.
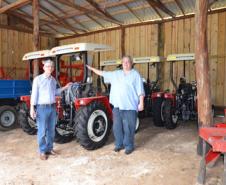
(124, 128)
(46, 121)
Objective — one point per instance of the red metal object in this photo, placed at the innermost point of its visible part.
(26, 99)
(157, 95)
(216, 137)
(85, 101)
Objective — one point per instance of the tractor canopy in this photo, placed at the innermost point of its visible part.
(136, 60)
(181, 57)
(37, 55)
(78, 47)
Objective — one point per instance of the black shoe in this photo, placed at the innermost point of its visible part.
(127, 152)
(118, 149)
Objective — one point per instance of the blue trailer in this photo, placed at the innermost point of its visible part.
(10, 92)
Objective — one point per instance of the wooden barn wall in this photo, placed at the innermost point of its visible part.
(145, 38)
(13, 45)
(178, 37)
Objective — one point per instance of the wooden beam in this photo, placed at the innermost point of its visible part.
(105, 13)
(87, 11)
(133, 12)
(25, 30)
(63, 12)
(123, 41)
(96, 21)
(141, 24)
(161, 41)
(202, 65)
(180, 6)
(57, 19)
(36, 44)
(14, 5)
(161, 6)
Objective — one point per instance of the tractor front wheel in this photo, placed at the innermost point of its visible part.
(92, 125)
(168, 113)
(26, 122)
(63, 133)
(8, 117)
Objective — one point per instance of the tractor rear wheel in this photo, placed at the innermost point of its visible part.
(63, 133)
(157, 116)
(168, 114)
(26, 122)
(8, 117)
(137, 125)
(92, 125)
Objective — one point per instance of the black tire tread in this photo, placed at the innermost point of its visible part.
(168, 115)
(157, 120)
(23, 120)
(81, 121)
(12, 109)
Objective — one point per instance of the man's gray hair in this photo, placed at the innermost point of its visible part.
(48, 61)
(128, 57)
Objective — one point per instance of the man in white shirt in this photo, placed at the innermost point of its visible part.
(44, 90)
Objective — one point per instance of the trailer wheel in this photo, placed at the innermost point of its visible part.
(157, 109)
(92, 126)
(27, 124)
(63, 133)
(168, 114)
(8, 117)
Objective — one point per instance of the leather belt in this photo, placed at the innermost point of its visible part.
(47, 105)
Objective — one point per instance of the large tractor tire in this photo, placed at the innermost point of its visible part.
(157, 116)
(137, 125)
(8, 117)
(26, 122)
(168, 114)
(63, 134)
(92, 125)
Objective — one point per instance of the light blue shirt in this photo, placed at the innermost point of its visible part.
(125, 88)
(44, 90)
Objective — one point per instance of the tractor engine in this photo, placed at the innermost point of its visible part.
(186, 97)
(75, 91)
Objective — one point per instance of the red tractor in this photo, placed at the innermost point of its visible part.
(182, 104)
(82, 112)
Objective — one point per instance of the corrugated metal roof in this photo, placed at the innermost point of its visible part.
(125, 11)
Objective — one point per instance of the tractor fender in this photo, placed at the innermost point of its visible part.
(85, 101)
(169, 96)
(26, 99)
(155, 95)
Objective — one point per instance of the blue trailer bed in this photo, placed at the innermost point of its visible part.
(14, 88)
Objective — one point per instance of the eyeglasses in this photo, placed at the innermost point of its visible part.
(49, 66)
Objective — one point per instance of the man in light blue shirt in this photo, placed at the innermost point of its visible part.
(127, 97)
(44, 90)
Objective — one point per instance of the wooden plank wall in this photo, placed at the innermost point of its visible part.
(145, 37)
(179, 38)
(13, 45)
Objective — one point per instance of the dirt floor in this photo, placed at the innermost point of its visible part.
(162, 157)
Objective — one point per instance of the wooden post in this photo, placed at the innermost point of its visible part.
(123, 41)
(202, 65)
(35, 11)
(160, 67)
